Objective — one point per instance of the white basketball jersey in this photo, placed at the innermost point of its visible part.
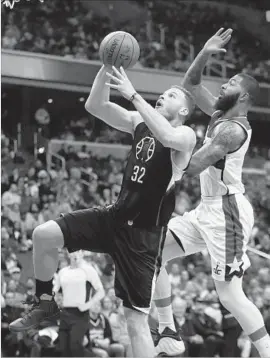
(225, 177)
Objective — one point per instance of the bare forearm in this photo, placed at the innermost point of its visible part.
(208, 155)
(158, 125)
(99, 92)
(193, 76)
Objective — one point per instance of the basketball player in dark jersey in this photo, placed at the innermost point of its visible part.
(132, 230)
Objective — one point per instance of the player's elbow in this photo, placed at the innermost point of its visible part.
(165, 140)
(94, 108)
(218, 152)
(91, 107)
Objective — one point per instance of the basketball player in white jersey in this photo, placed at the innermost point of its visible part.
(223, 221)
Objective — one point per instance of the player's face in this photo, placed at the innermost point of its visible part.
(170, 103)
(229, 94)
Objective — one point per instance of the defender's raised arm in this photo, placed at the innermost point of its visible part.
(192, 80)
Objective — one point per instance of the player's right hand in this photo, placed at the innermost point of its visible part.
(217, 42)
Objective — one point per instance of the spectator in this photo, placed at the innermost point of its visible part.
(32, 219)
(9, 40)
(232, 332)
(81, 278)
(174, 275)
(11, 197)
(15, 274)
(100, 335)
(208, 328)
(62, 151)
(107, 306)
(183, 322)
(119, 329)
(83, 154)
(11, 262)
(71, 154)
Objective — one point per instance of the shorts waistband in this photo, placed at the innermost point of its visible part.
(215, 199)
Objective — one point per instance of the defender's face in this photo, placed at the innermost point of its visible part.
(170, 102)
(229, 94)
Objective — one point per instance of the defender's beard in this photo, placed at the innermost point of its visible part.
(227, 102)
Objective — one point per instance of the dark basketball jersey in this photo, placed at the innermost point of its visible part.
(143, 198)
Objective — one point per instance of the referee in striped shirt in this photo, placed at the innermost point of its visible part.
(81, 289)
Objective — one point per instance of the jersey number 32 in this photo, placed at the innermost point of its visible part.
(138, 174)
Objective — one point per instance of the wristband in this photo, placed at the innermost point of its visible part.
(133, 96)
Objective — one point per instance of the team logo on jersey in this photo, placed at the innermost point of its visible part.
(145, 149)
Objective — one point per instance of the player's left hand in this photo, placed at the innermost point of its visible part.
(123, 84)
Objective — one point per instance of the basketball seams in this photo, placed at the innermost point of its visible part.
(107, 45)
(131, 58)
(119, 48)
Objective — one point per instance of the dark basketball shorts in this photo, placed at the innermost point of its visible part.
(136, 251)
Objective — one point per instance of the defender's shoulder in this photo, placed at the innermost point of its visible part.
(230, 135)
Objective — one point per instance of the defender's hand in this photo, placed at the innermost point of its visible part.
(217, 42)
(123, 84)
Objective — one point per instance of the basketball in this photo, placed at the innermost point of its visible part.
(119, 49)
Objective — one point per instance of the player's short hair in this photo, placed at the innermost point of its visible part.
(189, 97)
(251, 85)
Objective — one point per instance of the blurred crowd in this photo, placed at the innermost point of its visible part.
(172, 35)
(32, 195)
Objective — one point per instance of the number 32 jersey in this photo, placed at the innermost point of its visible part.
(145, 198)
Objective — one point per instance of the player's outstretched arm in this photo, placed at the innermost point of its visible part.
(99, 105)
(192, 80)
(182, 138)
(229, 138)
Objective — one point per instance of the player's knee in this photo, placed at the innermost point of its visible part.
(230, 294)
(38, 235)
(42, 237)
(226, 299)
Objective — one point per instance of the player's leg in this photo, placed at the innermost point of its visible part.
(227, 248)
(182, 239)
(76, 231)
(139, 333)
(137, 256)
(47, 239)
(232, 297)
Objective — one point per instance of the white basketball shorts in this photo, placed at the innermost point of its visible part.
(222, 225)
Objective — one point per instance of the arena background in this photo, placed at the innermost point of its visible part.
(58, 158)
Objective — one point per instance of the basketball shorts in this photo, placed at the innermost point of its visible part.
(222, 225)
(136, 251)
